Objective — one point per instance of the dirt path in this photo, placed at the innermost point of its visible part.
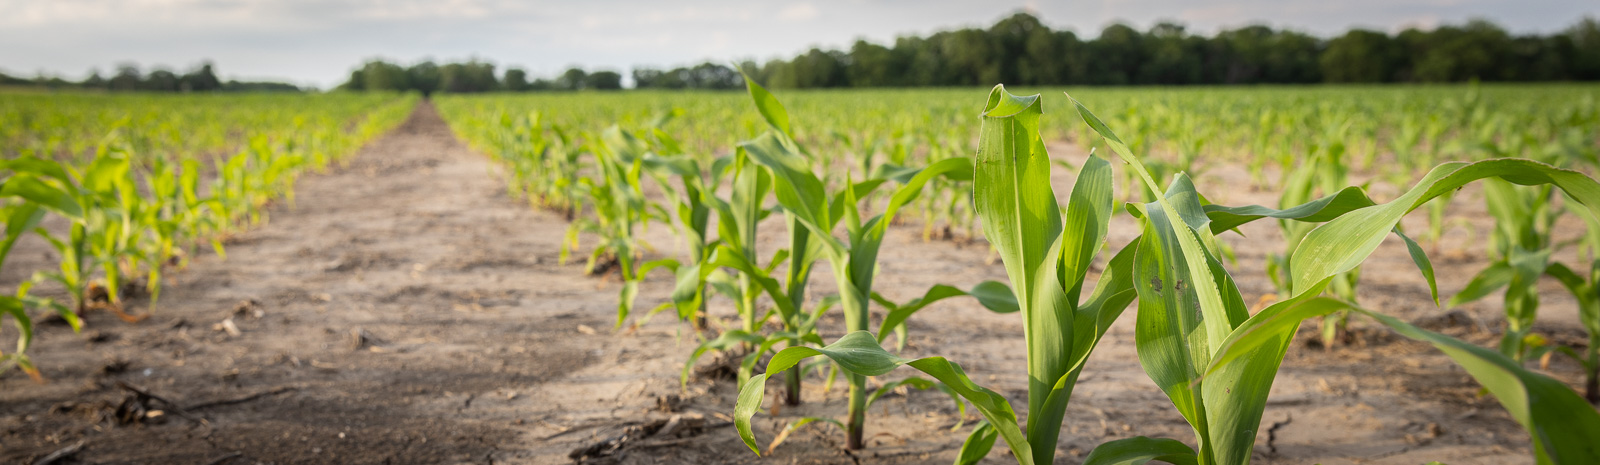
(408, 311)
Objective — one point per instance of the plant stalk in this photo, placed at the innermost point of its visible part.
(855, 319)
(1591, 390)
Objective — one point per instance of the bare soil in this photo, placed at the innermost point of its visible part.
(407, 310)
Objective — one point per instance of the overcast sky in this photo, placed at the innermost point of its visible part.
(317, 42)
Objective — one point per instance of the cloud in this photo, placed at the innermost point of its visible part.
(803, 11)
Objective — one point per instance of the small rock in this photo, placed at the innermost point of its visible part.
(227, 326)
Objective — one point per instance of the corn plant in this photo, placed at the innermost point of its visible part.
(21, 217)
(1324, 172)
(1520, 246)
(1586, 290)
(97, 201)
(619, 207)
(1216, 362)
(1046, 256)
(802, 194)
(694, 199)
(738, 218)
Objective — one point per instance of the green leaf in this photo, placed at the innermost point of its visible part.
(20, 219)
(1497, 275)
(1316, 211)
(1271, 325)
(1215, 314)
(1424, 265)
(1343, 243)
(1022, 221)
(1562, 424)
(1139, 450)
(768, 105)
(977, 445)
(33, 190)
(993, 295)
(797, 189)
(858, 352)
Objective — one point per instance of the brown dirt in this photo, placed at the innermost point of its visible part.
(409, 312)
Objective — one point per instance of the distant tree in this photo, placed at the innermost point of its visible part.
(778, 74)
(603, 80)
(820, 69)
(1292, 59)
(1361, 56)
(1534, 58)
(873, 65)
(94, 81)
(127, 78)
(161, 80)
(472, 76)
(925, 63)
(1118, 53)
(1172, 56)
(712, 76)
(1022, 49)
(646, 78)
(516, 80)
(703, 76)
(970, 57)
(1010, 40)
(1458, 53)
(425, 77)
(202, 79)
(573, 79)
(9, 80)
(1584, 40)
(385, 76)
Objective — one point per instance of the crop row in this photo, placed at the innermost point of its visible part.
(158, 177)
(839, 177)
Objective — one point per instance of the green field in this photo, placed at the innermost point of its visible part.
(1096, 208)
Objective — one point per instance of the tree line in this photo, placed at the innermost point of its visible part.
(471, 76)
(1023, 50)
(129, 78)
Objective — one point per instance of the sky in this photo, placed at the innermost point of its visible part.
(318, 42)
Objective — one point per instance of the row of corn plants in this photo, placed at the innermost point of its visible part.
(717, 205)
(1196, 339)
(122, 215)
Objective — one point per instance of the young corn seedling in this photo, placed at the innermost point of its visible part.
(98, 202)
(1521, 246)
(619, 207)
(1324, 172)
(854, 262)
(174, 214)
(20, 217)
(1587, 293)
(693, 199)
(1047, 257)
(1216, 362)
(738, 217)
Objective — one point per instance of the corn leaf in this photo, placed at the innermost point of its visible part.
(770, 108)
(859, 352)
(1562, 424)
(993, 295)
(977, 445)
(1139, 450)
